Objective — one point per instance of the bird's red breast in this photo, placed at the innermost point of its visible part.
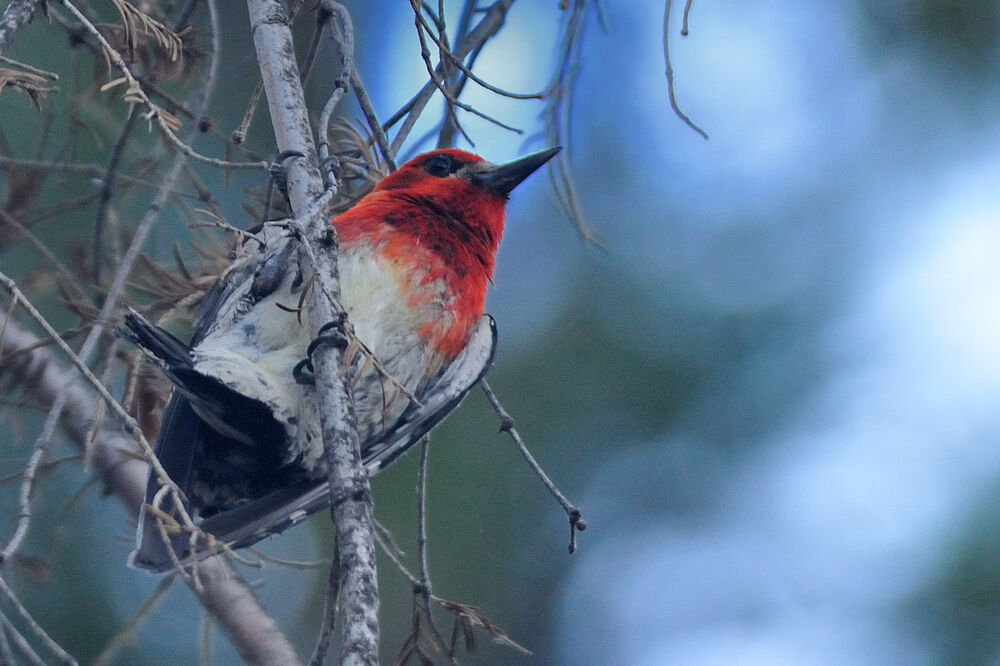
(439, 234)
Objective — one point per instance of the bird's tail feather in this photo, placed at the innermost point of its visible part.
(158, 344)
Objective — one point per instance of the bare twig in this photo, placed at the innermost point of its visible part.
(239, 135)
(576, 521)
(125, 633)
(93, 170)
(684, 24)
(45, 74)
(559, 95)
(670, 70)
(491, 22)
(107, 189)
(423, 592)
(205, 640)
(134, 93)
(381, 140)
(51, 260)
(6, 654)
(330, 600)
(23, 647)
(309, 565)
(35, 628)
(343, 39)
(466, 617)
(439, 40)
(438, 81)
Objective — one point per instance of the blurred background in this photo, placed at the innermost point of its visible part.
(773, 393)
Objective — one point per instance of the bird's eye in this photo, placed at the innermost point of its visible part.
(440, 166)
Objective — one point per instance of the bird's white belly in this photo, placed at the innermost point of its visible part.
(255, 353)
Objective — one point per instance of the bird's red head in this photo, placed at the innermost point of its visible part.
(464, 188)
(445, 197)
(442, 212)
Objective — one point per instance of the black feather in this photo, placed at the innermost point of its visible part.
(228, 453)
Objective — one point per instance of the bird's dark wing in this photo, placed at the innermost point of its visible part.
(293, 502)
(178, 461)
(226, 411)
(207, 426)
(282, 509)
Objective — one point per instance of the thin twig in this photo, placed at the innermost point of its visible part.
(51, 260)
(93, 170)
(330, 600)
(205, 640)
(670, 70)
(46, 468)
(239, 135)
(493, 19)
(576, 521)
(381, 140)
(135, 93)
(440, 84)
(310, 565)
(560, 97)
(343, 39)
(39, 451)
(439, 39)
(126, 632)
(684, 24)
(35, 628)
(51, 76)
(6, 655)
(322, 16)
(23, 647)
(464, 614)
(107, 190)
(449, 124)
(423, 592)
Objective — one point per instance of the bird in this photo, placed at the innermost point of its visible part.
(240, 435)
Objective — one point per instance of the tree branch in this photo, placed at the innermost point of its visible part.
(350, 493)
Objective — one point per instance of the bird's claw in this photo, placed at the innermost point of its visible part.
(331, 333)
(303, 373)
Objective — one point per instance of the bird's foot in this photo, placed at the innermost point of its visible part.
(333, 334)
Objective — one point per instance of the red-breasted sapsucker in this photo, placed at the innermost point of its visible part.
(241, 434)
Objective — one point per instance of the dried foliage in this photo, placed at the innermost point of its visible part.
(32, 85)
(135, 21)
(424, 642)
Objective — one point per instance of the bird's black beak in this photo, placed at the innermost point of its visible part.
(503, 178)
